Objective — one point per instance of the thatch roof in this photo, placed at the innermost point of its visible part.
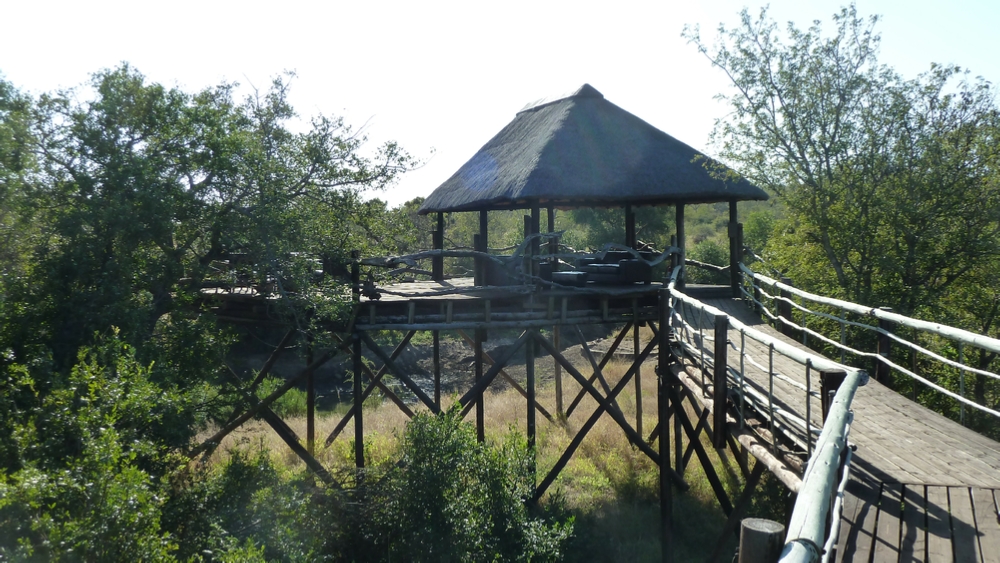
(581, 150)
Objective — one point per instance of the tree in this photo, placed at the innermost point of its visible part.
(141, 189)
(894, 181)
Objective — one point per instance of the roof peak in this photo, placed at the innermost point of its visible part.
(585, 91)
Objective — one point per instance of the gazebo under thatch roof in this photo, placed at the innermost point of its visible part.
(579, 151)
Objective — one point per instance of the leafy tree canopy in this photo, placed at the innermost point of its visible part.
(894, 181)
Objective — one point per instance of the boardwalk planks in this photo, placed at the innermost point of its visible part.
(913, 535)
(938, 526)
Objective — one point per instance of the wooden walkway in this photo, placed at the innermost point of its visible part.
(923, 487)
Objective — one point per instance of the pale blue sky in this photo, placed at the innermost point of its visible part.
(449, 75)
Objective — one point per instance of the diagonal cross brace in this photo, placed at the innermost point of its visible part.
(606, 403)
(578, 439)
(265, 402)
(467, 400)
(376, 380)
(399, 373)
(604, 361)
(507, 376)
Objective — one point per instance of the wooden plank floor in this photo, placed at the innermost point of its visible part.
(931, 524)
(923, 488)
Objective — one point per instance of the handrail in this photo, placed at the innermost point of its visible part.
(807, 528)
(958, 335)
(961, 335)
(811, 528)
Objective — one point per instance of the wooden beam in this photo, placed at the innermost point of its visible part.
(371, 386)
(604, 361)
(481, 385)
(507, 377)
(216, 438)
(399, 373)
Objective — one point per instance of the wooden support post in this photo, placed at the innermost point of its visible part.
(484, 246)
(829, 382)
(480, 413)
(477, 263)
(356, 276)
(761, 541)
(734, 249)
(310, 400)
(663, 383)
(630, 237)
(436, 335)
(785, 310)
(536, 245)
(720, 387)
(359, 429)
(882, 369)
(638, 368)
(557, 372)
(529, 369)
(437, 239)
(680, 242)
(526, 263)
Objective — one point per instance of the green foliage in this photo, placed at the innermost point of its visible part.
(291, 403)
(454, 499)
(247, 507)
(893, 180)
(710, 252)
(80, 482)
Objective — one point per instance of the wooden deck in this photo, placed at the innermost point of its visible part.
(923, 487)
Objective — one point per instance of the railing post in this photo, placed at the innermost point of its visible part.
(437, 239)
(785, 310)
(735, 245)
(356, 276)
(720, 387)
(664, 381)
(478, 267)
(761, 541)
(882, 369)
(829, 382)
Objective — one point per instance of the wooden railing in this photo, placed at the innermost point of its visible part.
(778, 304)
(815, 519)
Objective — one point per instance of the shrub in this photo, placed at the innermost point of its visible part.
(454, 499)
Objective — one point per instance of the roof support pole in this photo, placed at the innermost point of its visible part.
(735, 248)
(482, 265)
(536, 219)
(557, 368)
(437, 263)
(630, 238)
(680, 242)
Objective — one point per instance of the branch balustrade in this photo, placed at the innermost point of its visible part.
(770, 304)
(816, 517)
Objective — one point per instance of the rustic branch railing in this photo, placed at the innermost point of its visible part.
(757, 295)
(816, 516)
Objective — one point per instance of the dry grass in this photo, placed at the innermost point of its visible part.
(610, 486)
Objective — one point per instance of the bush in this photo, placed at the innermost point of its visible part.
(454, 499)
(710, 252)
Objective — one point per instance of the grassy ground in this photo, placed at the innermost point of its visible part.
(610, 487)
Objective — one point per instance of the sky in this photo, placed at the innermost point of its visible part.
(441, 78)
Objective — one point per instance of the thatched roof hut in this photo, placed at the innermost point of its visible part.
(581, 150)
